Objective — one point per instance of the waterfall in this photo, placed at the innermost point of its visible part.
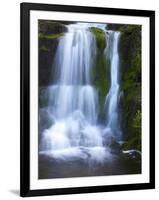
(73, 99)
(72, 90)
(112, 98)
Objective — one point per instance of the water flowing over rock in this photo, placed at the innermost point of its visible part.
(76, 131)
(112, 98)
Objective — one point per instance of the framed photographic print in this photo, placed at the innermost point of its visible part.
(87, 99)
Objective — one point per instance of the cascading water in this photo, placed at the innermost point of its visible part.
(73, 99)
(112, 98)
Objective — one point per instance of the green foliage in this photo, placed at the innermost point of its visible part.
(133, 143)
(134, 140)
(50, 36)
(129, 29)
(100, 37)
(130, 54)
(137, 120)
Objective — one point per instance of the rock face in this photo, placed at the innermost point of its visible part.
(130, 65)
(51, 27)
(100, 71)
(49, 34)
(130, 56)
(114, 27)
(100, 37)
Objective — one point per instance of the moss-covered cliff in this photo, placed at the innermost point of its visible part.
(100, 71)
(49, 33)
(130, 62)
(100, 38)
(130, 65)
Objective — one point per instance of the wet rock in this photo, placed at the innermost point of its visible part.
(45, 120)
(49, 34)
(51, 27)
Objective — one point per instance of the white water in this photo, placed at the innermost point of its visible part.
(112, 98)
(73, 100)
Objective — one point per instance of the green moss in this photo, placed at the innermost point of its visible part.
(100, 77)
(50, 36)
(130, 54)
(129, 29)
(49, 33)
(100, 37)
(100, 71)
(50, 22)
(133, 143)
(137, 121)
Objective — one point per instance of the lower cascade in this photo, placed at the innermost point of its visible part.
(76, 130)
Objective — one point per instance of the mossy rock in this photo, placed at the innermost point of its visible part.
(133, 143)
(49, 33)
(129, 29)
(134, 140)
(100, 74)
(130, 62)
(50, 36)
(100, 71)
(100, 37)
(51, 27)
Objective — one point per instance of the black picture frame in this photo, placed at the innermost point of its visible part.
(25, 9)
